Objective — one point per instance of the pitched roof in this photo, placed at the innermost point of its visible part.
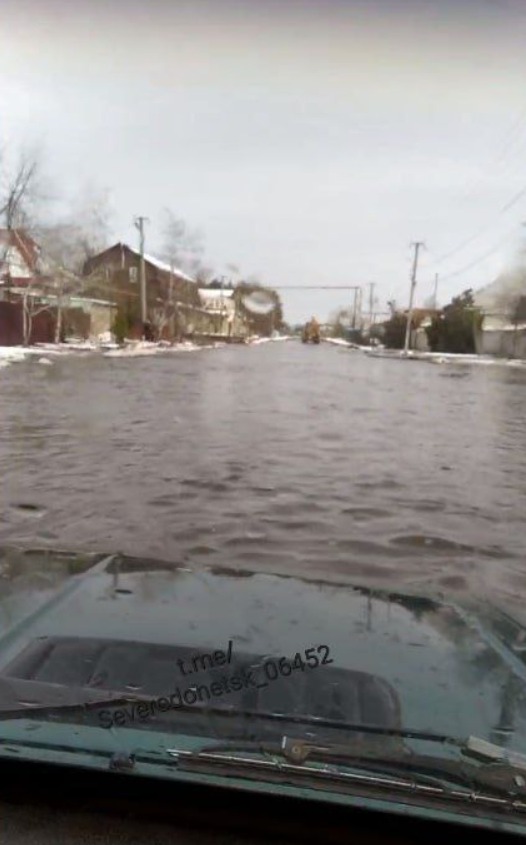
(24, 243)
(150, 259)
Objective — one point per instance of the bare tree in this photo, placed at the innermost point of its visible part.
(81, 233)
(67, 244)
(182, 247)
(64, 245)
(19, 190)
(32, 306)
(165, 314)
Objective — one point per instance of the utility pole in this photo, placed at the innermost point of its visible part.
(171, 309)
(416, 245)
(372, 286)
(435, 291)
(354, 308)
(139, 223)
(360, 298)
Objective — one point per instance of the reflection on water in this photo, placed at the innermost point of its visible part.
(278, 457)
(28, 578)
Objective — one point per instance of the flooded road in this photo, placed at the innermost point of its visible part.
(279, 457)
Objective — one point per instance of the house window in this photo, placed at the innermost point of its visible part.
(133, 274)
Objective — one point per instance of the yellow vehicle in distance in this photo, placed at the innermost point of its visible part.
(311, 331)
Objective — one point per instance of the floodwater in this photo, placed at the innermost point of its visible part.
(279, 457)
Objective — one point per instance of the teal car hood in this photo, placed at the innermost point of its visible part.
(402, 664)
(452, 669)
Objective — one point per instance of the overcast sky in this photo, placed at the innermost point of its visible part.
(310, 140)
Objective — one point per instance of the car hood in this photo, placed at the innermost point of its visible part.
(415, 662)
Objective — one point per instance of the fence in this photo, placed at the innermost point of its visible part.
(74, 321)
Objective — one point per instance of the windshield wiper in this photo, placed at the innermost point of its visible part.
(227, 713)
(298, 750)
(354, 765)
(47, 709)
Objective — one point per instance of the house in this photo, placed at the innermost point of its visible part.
(501, 337)
(217, 315)
(220, 307)
(115, 276)
(31, 290)
(20, 258)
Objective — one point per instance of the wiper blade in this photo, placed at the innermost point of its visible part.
(298, 750)
(118, 699)
(403, 768)
(27, 710)
(292, 750)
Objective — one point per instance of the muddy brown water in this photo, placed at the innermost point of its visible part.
(280, 457)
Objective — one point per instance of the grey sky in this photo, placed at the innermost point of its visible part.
(311, 142)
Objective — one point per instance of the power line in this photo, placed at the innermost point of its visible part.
(521, 118)
(476, 261)
(507, 143)
(505, 208)
(513, 201)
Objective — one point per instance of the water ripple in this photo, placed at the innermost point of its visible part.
(275, 458)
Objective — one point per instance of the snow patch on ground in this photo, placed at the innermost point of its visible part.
(146, 348)
(339, 341)
(256, 340)
(444, 357)
(42, 352)
(13, 355)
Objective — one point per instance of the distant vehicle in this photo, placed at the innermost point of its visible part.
(311, 331)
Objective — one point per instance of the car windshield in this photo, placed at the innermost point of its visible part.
(263, 392)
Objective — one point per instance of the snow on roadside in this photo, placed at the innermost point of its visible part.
(41, 352)
(256, 340)
(12, 355)
(338, 341)
(444, 357)
(428, 357)
(143, 348)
